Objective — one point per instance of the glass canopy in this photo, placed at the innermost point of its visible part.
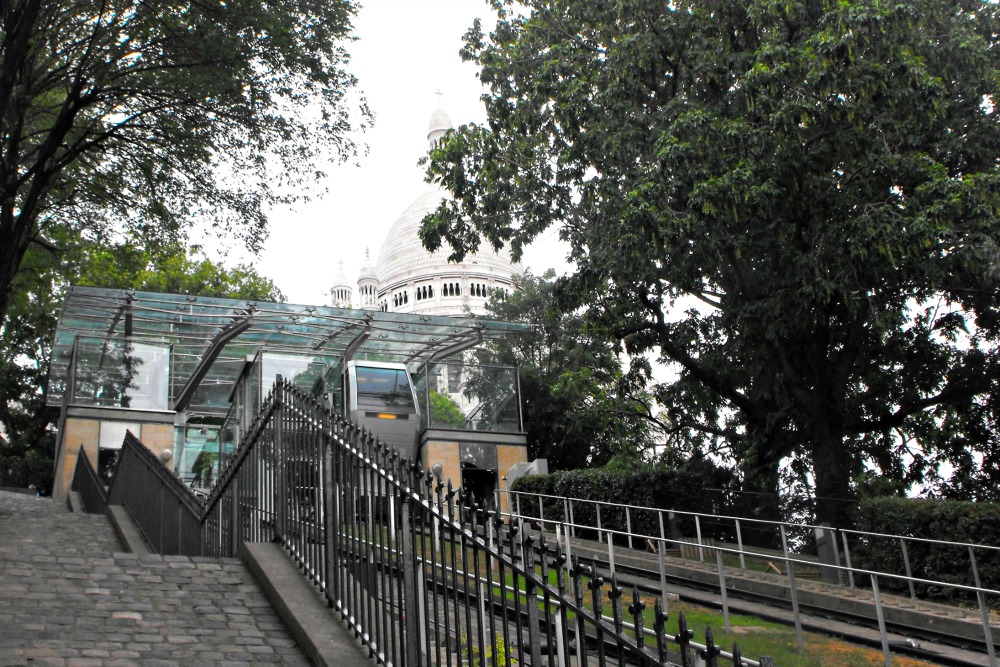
(171, 351)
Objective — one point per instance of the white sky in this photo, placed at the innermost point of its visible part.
(407, 50)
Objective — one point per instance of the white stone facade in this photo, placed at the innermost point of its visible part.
(407, 278)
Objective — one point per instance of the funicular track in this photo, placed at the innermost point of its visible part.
(922, 640)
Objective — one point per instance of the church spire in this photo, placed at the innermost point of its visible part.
(341, 294)
(440, 123)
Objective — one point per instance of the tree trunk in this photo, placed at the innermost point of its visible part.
(836, 503)
(761, 498)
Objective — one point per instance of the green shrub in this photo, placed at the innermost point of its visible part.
(944, 520)
(18, 473)
(680, 490)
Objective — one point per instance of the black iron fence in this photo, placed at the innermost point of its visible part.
(166, 512)
(88, 485)
(422, 573)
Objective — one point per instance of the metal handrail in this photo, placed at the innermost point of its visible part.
(87, 483)
(768, 522)
(420, 575)
(570, 527)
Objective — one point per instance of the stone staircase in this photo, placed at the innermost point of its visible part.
(69, 595)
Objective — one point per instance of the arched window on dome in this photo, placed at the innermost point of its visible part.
(406, 297)
(430, 291)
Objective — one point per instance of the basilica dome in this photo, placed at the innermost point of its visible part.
(410, 279)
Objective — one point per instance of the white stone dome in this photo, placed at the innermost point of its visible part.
(440, 122)
(367, 269)
(403, 257)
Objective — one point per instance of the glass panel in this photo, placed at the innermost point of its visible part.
(199, 462)
(384, 388)
(149, 367)
(110, 373)
(189, 325)
(472, 398)
(112, 434)
(478, 455)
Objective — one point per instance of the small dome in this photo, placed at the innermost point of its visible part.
(440, 121)
(367, 269)
(340, 280)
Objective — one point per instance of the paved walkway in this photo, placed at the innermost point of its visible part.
(70, 596)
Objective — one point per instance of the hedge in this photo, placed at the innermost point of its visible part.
(18, 473)
(945, 520)
(665, 489)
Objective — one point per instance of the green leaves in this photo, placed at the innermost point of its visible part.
(135, 120)
(813, 175)
(580, 410)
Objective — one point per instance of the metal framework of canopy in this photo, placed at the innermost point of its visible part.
(210, 338)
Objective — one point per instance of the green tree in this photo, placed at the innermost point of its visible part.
(795, 204)
(25, 345)
(445, 411)
(130, 119)
(580, 408)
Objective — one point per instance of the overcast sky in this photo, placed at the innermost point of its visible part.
(406, 51)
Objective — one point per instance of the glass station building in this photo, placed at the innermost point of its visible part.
(187, 375)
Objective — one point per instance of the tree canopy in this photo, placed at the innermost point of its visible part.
(25, 347)
(794, 204)
(131, 119)
(580, 408)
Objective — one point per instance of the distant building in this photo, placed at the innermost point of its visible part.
(407, 278)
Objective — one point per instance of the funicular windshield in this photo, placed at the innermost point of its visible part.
(384, 389)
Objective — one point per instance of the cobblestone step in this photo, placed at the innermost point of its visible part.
(69, 596)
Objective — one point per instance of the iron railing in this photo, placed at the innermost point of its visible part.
(421, 573)
(165, 511)
(87, 483)
(822, 550)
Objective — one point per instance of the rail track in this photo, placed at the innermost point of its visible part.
(919, 641)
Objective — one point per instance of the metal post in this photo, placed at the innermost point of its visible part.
(410, 600)
(847, 560)
(881, 621)
(234, 531)
(906, 564)
(662, 548)
(599, 533)
(983, 611)
(697, 528)
(792, 590)
(569, 553)
(280, 506)
(722, 590)
(611, 552)
(530, 597)
(572, 521)
(628, 525)
(739, 541)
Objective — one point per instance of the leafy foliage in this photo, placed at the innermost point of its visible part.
(445, 411)
(25, 341)
(701, 488)
(952, 521)
(130, 119)
(794, 204)
(579, 407)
